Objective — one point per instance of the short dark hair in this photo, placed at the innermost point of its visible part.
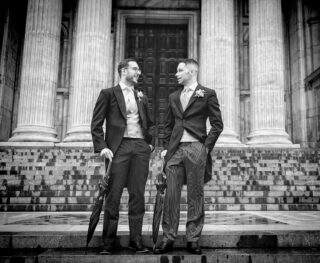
(124, 64)
(191, 61)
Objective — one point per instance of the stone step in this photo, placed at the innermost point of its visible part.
(258, 185)
(177, 256)
(277, 239)
(151, 200)
(151, 187)
(37, 195)
(211, 186)
(150, 207)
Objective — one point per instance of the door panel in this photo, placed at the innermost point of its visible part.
(157, 49)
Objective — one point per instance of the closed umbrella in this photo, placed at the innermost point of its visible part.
(161, 185)
(96, 211)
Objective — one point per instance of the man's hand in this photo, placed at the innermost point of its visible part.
(151, 147)
(107, 153)
(163, 153)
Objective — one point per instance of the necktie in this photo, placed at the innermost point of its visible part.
(185, 98)
(130, 104)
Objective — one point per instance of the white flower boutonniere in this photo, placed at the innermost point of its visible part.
(140, 95)
(199, 93)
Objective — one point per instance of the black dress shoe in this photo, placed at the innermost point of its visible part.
(164, 247)
(194, 248)
(138, 247)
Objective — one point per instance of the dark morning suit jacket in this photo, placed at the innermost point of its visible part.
(111, 107)
(193, 119)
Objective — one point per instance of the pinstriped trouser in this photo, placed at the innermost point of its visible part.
(189, 163)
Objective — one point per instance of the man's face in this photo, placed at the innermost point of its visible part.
(183, 74)
(132, 72)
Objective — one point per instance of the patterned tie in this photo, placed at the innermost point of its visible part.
(130, 104)
(184, 98)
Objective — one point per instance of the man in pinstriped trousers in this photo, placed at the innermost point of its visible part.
(187, 154)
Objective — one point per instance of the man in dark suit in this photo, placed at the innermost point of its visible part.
(128, 142)
(187, 154)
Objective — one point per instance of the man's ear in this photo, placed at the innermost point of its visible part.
(195, 72)
(192, 71)
(123, 71)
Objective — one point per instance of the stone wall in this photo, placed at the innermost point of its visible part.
(64, 179)
(302, 23)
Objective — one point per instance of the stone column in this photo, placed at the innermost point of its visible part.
(266, 74)
(39, 74)
(217, 62)
(90, 65)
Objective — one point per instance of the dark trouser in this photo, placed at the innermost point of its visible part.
(188, 161)
(130, 167)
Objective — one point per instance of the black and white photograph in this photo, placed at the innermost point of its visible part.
(160, 131)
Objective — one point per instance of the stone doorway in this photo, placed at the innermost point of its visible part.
(157, 48)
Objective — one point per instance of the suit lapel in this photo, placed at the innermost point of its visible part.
(119, 96)
(139, 104)
(193, 98)
(178, 101)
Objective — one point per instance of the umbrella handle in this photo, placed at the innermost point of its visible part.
(108, 169)
(162, 163)
(105, 178)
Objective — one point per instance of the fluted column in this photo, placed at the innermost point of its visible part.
(217, 62)
(90, 65)
(266, 74)
(39, 74)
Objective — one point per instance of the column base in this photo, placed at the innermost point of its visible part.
(229, 139)
(82, 144)
(79, 134)
(34, 133)
(27, 145)
(270, 138)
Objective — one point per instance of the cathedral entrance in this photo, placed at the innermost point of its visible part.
(157, 48)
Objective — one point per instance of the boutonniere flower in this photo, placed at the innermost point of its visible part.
(140, 95)
(199, 93)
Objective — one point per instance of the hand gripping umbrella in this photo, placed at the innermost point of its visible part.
(161, 184)
(97, 207)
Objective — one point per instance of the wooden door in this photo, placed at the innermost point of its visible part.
(157, 49)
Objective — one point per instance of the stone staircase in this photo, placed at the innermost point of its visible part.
(65, 179)
(208, 256)
(227, 246)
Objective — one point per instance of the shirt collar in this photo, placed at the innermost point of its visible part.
(191, 87)
(123, 86)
